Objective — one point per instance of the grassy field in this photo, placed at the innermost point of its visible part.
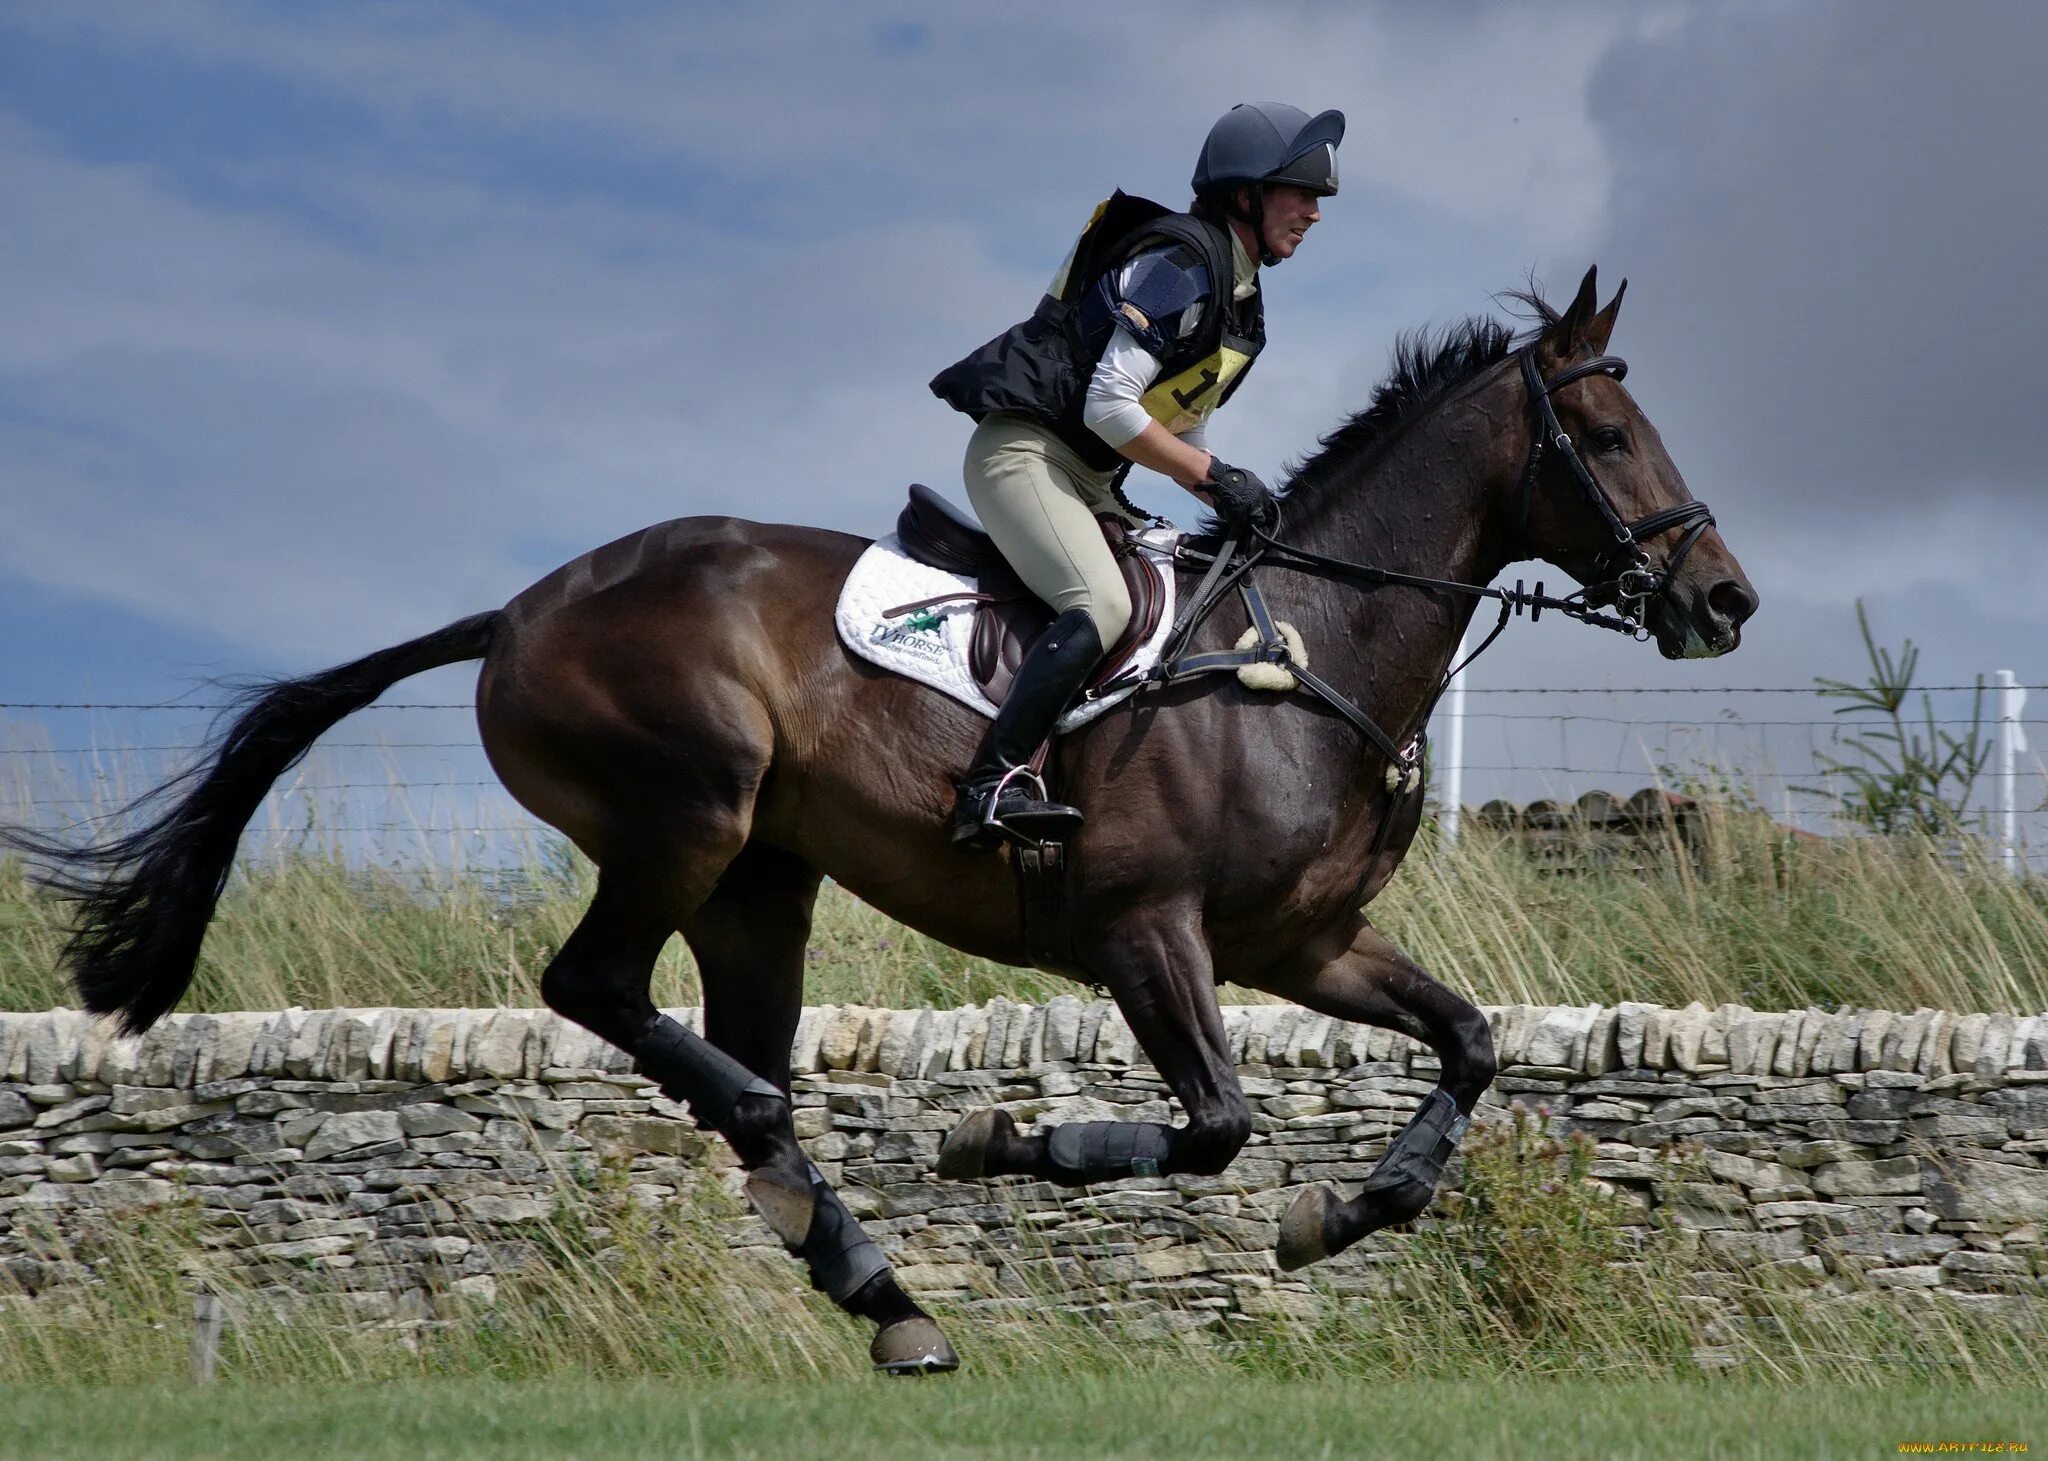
(1757, 917)
(1009, 1416)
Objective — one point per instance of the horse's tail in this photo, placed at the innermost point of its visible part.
(144, 899)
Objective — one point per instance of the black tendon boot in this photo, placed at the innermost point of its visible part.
(996, 796)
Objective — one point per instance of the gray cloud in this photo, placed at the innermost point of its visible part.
(362, 429)
(1834, 217)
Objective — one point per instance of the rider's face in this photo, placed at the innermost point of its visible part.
(1289, 212)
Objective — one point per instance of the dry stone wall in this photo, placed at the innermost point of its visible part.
(397, 1155)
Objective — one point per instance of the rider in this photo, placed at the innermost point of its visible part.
(1137, 342)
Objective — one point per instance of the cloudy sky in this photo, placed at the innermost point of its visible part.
(326, 325)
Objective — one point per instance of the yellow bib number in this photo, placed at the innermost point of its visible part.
(1182, 403)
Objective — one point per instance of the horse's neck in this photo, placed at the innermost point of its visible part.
(1424, 505)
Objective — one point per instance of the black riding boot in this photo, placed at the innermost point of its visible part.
(991, 800)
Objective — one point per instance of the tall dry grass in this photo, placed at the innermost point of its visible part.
(1744, 910)
(1754, 915)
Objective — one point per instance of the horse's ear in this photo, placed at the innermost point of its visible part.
(1600, 329)
(1568, 336)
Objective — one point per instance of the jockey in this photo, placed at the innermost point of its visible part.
(1149, 326)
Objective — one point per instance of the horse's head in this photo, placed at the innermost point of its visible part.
(1602, 500)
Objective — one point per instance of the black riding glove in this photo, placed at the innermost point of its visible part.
(1242, 500)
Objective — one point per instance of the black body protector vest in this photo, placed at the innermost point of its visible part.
(1042, 366)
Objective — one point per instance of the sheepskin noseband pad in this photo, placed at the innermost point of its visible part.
(1424, 1147)
(815, 1226)
(1102, 1151)
(690, 1068)
(1272, 677)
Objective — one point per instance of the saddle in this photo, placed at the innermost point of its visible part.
(1007, 615)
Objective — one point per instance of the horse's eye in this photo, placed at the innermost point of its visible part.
(1610, 438)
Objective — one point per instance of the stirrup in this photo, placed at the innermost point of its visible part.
(1060, 820)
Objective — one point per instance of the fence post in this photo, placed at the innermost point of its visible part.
(1452, 783)
(2012, 739)
(208, 1317)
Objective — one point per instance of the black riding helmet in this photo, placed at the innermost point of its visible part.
(1254, 144)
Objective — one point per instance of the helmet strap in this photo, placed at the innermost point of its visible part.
(1223, 207)
(1255, 215)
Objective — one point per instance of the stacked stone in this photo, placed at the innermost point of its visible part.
(400, 1156)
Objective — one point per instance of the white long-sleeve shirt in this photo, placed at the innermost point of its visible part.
(1114, 409)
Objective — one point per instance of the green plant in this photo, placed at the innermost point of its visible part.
(1536, 1263)
(1903, 777)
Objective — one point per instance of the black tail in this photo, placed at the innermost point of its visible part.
(144, 899)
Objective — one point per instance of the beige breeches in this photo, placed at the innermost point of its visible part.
(1039, 502)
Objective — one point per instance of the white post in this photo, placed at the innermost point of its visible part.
(2012, 739)
(1453, 782)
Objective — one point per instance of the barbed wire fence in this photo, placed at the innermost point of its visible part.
(379, 789)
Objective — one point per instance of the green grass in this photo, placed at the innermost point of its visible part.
(994, 1415)
(1757, 917)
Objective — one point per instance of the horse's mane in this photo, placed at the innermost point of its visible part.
(1428, 364)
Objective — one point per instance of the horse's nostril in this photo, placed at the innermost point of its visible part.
(1732, 599)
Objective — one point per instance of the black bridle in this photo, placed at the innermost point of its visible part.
(1623, 577)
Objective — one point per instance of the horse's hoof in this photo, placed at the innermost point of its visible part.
(1302, 1231)
(912, 1347)
(964, 1157)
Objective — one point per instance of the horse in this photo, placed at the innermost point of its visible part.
(678, 705)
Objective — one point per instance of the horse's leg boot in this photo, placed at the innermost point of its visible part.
(1399, 1187)
(690, 1068)
(964, 1157)
(1082, 1152)
(912, 1346)
(815, 1226)
(1407, 1175)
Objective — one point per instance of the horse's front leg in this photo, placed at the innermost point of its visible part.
(1374, 983)
(1157, 966)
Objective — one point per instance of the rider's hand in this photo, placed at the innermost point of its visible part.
(1241, 499)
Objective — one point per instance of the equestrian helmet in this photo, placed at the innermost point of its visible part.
(1270, 142)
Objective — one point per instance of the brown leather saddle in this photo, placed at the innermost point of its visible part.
(1007, 615)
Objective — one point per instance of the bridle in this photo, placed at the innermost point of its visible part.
(1624, 579)
(1622, 574)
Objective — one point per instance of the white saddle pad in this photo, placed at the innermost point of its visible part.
(931, 645)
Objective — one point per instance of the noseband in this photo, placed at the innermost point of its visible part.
(1623, 575)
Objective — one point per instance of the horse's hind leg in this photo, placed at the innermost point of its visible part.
(749, 938)
(601, 979)
(1374, 983)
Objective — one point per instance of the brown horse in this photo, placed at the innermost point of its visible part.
(678, 704)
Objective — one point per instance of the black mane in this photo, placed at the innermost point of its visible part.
(1427, 364)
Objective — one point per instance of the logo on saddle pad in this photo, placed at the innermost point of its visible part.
(921, 634)
(928, 638)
